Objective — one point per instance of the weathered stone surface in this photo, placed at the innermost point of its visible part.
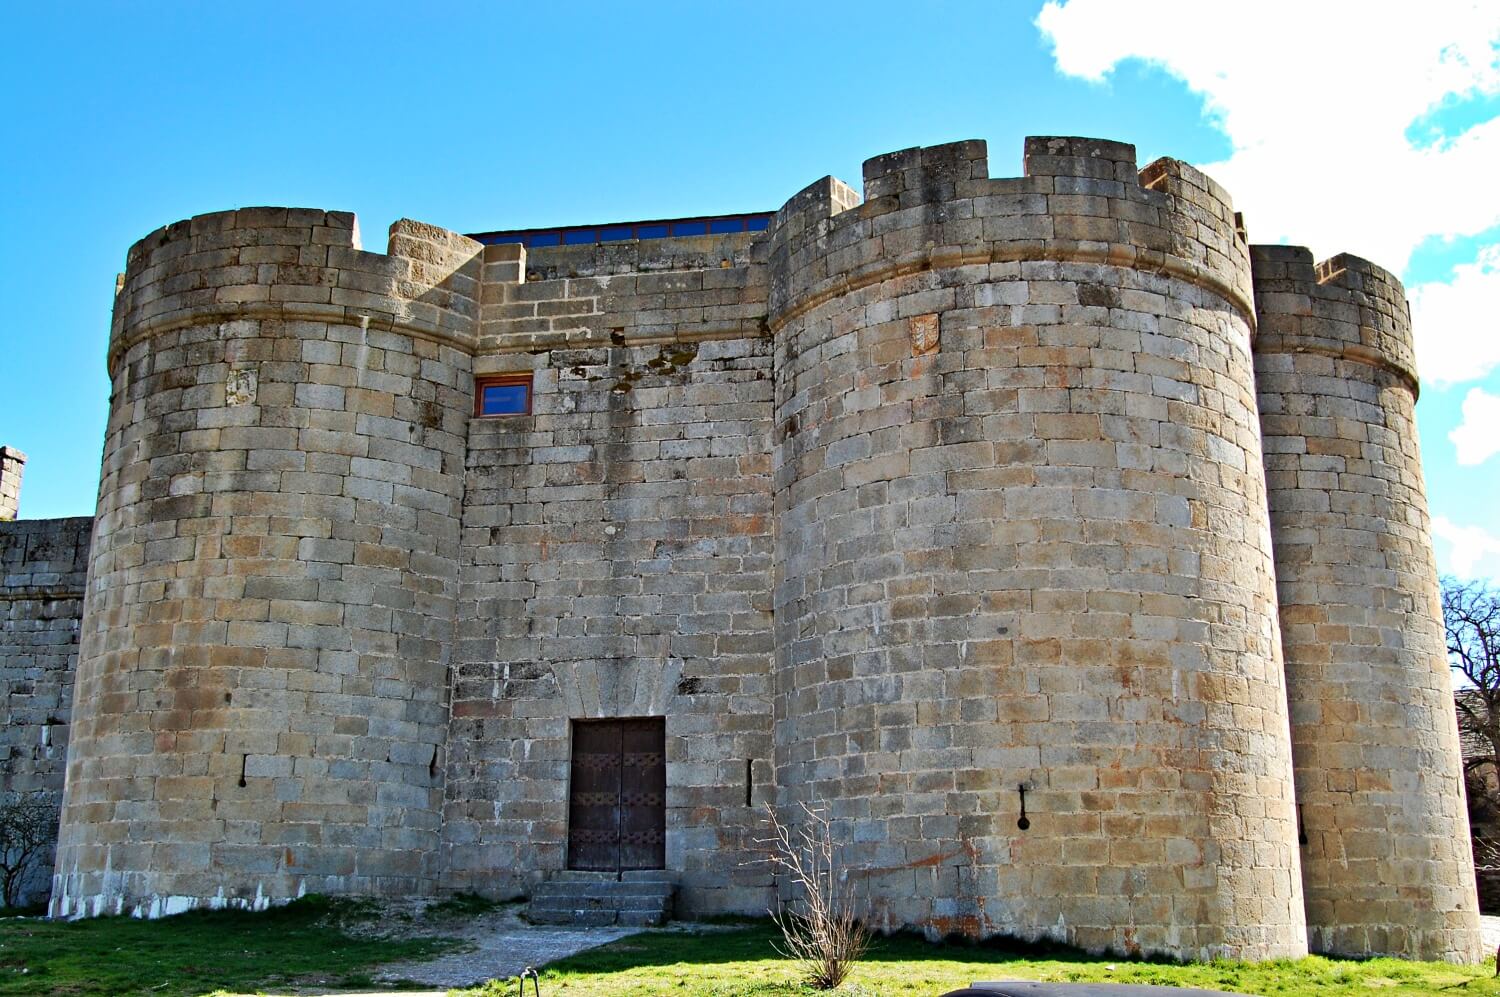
(42, 569)
(262, 673)
(1063, 584)
(1387, 866)
(908, 506)
(12, 466)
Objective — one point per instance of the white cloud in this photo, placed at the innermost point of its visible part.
(1458, 323)
(1316, 100)
(1477, 438)
(1472, 552)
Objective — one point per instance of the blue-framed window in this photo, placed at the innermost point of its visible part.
(508, 394)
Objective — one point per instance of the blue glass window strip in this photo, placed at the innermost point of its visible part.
(584, 235)
(505, 399)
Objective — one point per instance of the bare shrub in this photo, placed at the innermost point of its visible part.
(818, 927)
(28, 826)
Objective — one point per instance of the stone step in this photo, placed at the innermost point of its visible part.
(555, 906)
(598, 916)
(617, 901)
(630, 876)
(577, 918)
(602, 890)
(589, 899)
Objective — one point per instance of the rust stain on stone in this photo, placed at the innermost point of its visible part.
(923, 330)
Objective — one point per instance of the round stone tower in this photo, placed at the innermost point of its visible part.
(260, 694)
(1386, 864)
(1026, 643)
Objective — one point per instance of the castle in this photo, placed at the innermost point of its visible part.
(1070, 551)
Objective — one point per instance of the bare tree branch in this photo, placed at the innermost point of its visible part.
(1471, 625)
(28, 825)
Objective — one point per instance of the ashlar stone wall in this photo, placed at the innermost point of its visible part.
(1387, 866)
(932, 507)
(42, 570)
(261, 695)
(617, 555)
(1023, 546)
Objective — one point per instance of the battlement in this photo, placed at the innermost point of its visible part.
(296, 264)
(1080, 200)
(921, 169)
(1344, 307)
(12, 465)
(1066, 156)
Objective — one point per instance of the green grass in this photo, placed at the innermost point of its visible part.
(197, 953)
(742, 963)
(306, 944)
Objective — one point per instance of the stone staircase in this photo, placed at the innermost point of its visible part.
(639, 899)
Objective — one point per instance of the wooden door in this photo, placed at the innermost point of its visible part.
(617, 813)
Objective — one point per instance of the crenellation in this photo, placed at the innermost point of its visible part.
(1343, 307)
(1086, 158)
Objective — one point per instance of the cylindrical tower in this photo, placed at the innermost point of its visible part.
(260, 695)
(1024, 561)
(1386, 866)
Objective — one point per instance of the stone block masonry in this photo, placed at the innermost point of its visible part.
(12, 465)
(617, 562)
(262, 672)
(926, 501)
(43, 564)
(1035, 556)
(1374, 740)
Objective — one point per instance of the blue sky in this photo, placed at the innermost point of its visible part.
(122, 117)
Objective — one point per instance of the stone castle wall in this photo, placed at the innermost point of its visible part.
(1387, 864)
(1022, 521)
(261, 693)
(912, 505)
(42, 568)
(617, 553)
(618, 557)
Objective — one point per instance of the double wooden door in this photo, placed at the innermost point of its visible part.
(617, 795)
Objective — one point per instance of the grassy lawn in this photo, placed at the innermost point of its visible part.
(306, 945)
(741, 963)
(195, 954)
